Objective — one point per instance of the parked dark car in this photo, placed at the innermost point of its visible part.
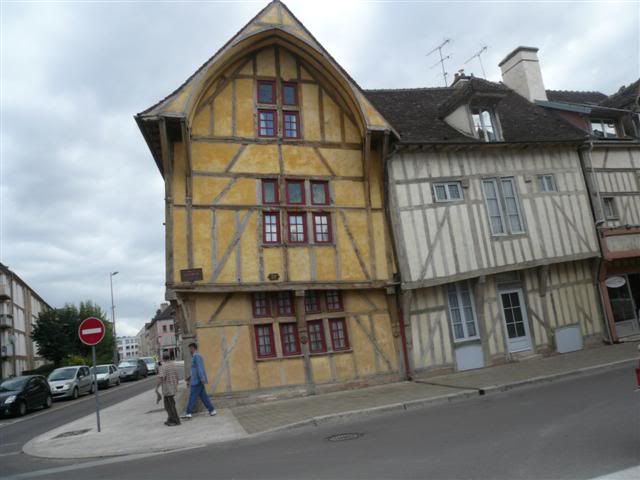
(19, 395)
(132, 369)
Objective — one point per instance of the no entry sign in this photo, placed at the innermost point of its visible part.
(91, 331)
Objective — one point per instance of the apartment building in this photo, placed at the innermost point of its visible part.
(20, 306)
(128, 347)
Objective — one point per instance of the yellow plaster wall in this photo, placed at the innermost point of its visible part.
(228, 171)
(228, 345)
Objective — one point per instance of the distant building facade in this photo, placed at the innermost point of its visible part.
(20, 306)
(128, 347)
(161, 335)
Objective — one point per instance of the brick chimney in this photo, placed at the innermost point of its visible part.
(521, 72)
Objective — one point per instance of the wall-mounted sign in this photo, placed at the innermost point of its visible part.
(191, 275)
(615, 282)
(273, 276)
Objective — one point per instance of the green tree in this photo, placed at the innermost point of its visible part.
(54, 333)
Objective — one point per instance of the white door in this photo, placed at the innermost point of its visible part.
(516, 323)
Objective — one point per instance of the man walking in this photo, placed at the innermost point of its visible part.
(197, 381)
(168, 380)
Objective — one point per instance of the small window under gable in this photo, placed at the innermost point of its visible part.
(484, 124)
(604, 128)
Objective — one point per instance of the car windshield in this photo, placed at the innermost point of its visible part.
(149, 360)
(127, 364)
(102, 369)
(63, 374)
(13, 384)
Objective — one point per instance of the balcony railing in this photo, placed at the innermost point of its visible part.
(5, 292)
(6, 320)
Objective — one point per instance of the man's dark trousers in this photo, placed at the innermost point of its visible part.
(170, 407)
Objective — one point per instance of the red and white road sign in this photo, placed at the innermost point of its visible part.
(91, 331)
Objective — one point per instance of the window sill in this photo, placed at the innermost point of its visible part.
(509, 236)
(278, 358)
(332, 352)
(467, 341)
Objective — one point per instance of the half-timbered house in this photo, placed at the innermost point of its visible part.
(492, 224)
(278, 255)
(611, 163)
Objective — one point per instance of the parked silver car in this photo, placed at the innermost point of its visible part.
(70, 382)
(107, 375)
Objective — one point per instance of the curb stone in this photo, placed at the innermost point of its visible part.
(468, 392)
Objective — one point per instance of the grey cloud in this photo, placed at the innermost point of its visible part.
(80, 193)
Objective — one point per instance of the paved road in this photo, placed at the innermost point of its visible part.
(581, 428)
(15, 432)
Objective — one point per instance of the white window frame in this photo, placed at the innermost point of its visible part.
(602, 122)
(458, 292)
(504, 216)
(547, 183)
(447, 191)
(615, 215)
(494, 123)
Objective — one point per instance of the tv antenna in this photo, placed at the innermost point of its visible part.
(442, 59)
(478, 56)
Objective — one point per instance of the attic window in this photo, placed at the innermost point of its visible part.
(484, 124)
(603, 128)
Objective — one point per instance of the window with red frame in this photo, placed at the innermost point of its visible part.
(291, 124)
(261, 306)
(334, 300)
(285, 304)
(271, 227)
(321, 228)
(320, 193)
(289, 337)
(289, 94)
(270, 192)
(339, 336)
(265, 346)
(267, 92)
(295, 192)
(317, 343)
(311, 301)
(297, 231)
(267, 123)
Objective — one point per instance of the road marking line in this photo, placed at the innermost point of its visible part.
(89, 331)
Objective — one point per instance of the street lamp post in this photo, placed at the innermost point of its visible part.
(113, 320)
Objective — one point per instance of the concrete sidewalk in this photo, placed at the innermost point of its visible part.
(132, 427)
(136, 425)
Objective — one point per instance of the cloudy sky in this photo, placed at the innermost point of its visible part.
(80, 193)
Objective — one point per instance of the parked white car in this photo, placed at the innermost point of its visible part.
(107, 375)
(152, 366)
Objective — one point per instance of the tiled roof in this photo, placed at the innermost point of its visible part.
(573, 96)
(628, 97)
(415, 114)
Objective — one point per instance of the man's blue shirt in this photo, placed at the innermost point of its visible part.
(198, 375)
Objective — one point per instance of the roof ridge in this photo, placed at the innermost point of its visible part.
(410, 89)
(576, 91)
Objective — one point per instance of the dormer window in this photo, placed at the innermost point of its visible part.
(484, 124)
(604, 128)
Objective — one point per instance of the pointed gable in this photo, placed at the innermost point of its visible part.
(274, 19)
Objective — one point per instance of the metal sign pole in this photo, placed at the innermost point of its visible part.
(95, 385)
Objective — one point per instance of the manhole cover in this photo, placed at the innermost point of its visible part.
(72, 433)
(343, 437)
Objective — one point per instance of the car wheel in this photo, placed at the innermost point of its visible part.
(75, 394)
(48, 402)
(22, 409)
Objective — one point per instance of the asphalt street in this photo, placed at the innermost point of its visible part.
(586, 427)
(15, 432)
